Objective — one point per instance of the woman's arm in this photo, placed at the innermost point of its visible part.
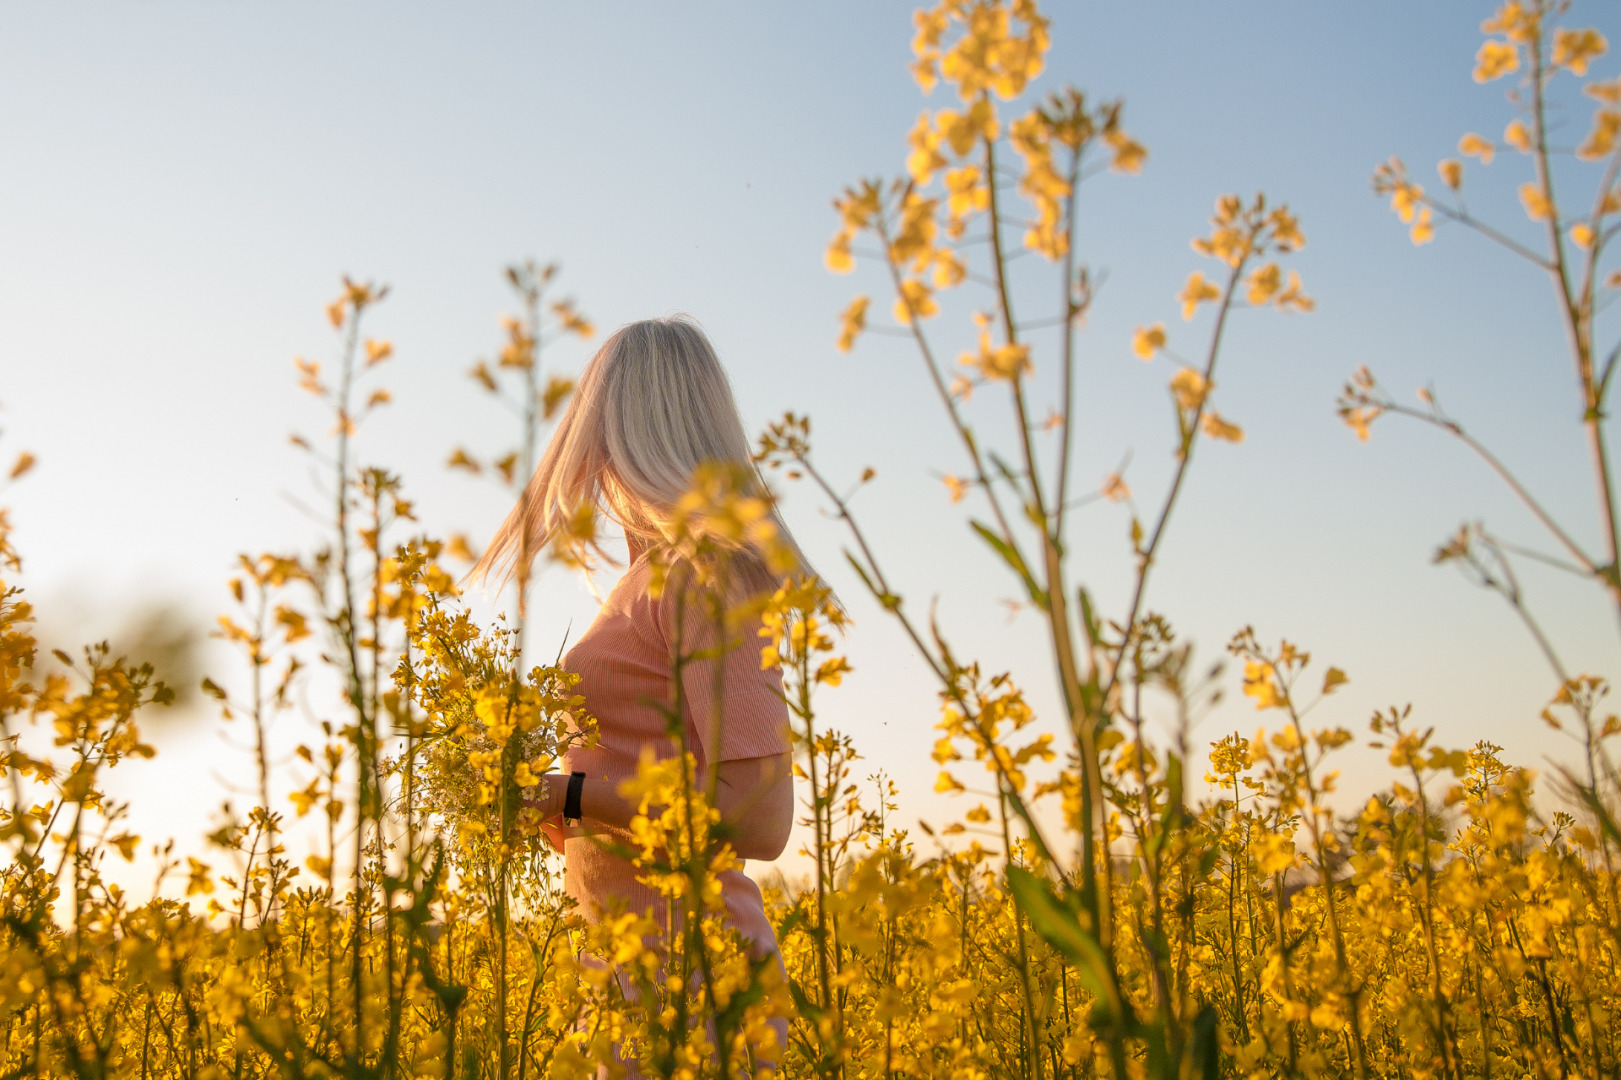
(755, 797)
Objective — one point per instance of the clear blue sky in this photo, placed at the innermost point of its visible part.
(181, 185)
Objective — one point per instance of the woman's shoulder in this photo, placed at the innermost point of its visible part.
(662, 591)
(628, 618)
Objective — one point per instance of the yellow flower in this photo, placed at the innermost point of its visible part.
(1260, 683)
(1006, 362)
(1217, 428)
(572, 320)
(1405, 199)
(916, 299)
(1601, 140)
(1002, 362)
(963, 131)
(1129, 154)
(1573, 49)
(1197, 291)
(1472, 145)
(1328, 1016)
(557, 391)
(852, 320)
(1190, 388)
(949, 270)
(966, 193)
(199, 880)
(957, 486)
(1608, 92)
(1581, 234)
(1286, 234)
(377, 351)
(1518, 136)
(1114, 488)
(1148, 340)
(1514, 21)
(838, 256)
(1451, 171)
(1264, 283)
(1494, 60)
(914, 240)
(1273, 853)
(1292, 297)
(925, 159)
(1535, 202)
(858, 207)
(1423, 231)
(310, 375)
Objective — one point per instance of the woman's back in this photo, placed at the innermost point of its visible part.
(626, 663)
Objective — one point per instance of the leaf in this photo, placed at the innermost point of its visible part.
(1160, 1064)
(1011, 556)
(1205, 1049)
(1089, 618)
(802, 1000)
(1061, 928)
(890, 601)
(1608, 370)
(1034, 836)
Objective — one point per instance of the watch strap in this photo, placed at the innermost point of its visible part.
(571, 800)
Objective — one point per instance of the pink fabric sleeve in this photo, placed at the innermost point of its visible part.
(748, 718)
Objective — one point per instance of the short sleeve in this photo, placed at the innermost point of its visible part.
(732, 707)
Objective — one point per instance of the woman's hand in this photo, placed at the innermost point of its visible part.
(546, 799)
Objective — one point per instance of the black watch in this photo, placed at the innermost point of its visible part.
(571, 801)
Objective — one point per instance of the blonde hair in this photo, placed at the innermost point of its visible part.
(651, 406)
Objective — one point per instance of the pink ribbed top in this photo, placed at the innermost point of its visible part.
(624, 660)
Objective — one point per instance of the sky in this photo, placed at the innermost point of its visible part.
(183, 184)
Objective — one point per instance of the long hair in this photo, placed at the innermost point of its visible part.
(651, 406)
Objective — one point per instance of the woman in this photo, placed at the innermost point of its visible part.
(651, 406)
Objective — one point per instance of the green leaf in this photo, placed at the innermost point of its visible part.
(1059, 925)
(1174, 785)
(1160, 1065)
(1604, 380)
(890, 601)
(1205, 1049)
(1089, 615)
(1157, 944)
(802, 1001)
(1011, 556)
(1033, 828)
